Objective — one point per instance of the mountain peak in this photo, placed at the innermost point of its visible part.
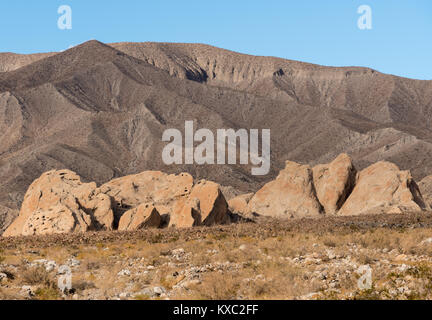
(58, 66)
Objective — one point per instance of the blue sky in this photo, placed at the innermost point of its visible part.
(322, 32)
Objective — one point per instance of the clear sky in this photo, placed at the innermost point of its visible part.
(317, 31)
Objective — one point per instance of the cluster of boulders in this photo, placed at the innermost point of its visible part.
(58, 202)
(334, 189)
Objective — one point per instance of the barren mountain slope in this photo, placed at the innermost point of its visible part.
(379, 97)
(101, 110)
(12, 61)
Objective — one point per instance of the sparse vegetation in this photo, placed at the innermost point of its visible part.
(269, 260)
(36, 276)
(47, 293)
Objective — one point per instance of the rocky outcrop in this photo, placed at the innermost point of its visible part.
(291, 195)
(334, 182)
(335, 188)
(383, 188)
(58, 202)
(141, 217)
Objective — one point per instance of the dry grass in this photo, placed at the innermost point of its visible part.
(273, 260)
(37, 276)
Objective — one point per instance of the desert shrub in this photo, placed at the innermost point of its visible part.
(47, 293)
(218, 286)
(81, 285)
(38, 276)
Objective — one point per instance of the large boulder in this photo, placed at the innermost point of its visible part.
(58, 202)
(187, 216)
(239, 204)
(383, 188)
(141, 217)
(205, 205)
(334, 182)
(212, 203)
(100, 207)
(425, 186)
(291, 195)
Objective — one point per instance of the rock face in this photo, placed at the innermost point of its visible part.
(291, 195)
(334, 182)
(143, 216)
(58, 202)
(383, 188)
(425, 186)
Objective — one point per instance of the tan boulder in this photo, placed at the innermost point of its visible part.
(425, 186)
(334, 182)
(187, 216)
(291, 195)
(58, 202)
(141, 217)
(100, 205)
(213, 206)
(239, 204)
(383, 188)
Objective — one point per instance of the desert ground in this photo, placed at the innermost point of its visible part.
(316, 258)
